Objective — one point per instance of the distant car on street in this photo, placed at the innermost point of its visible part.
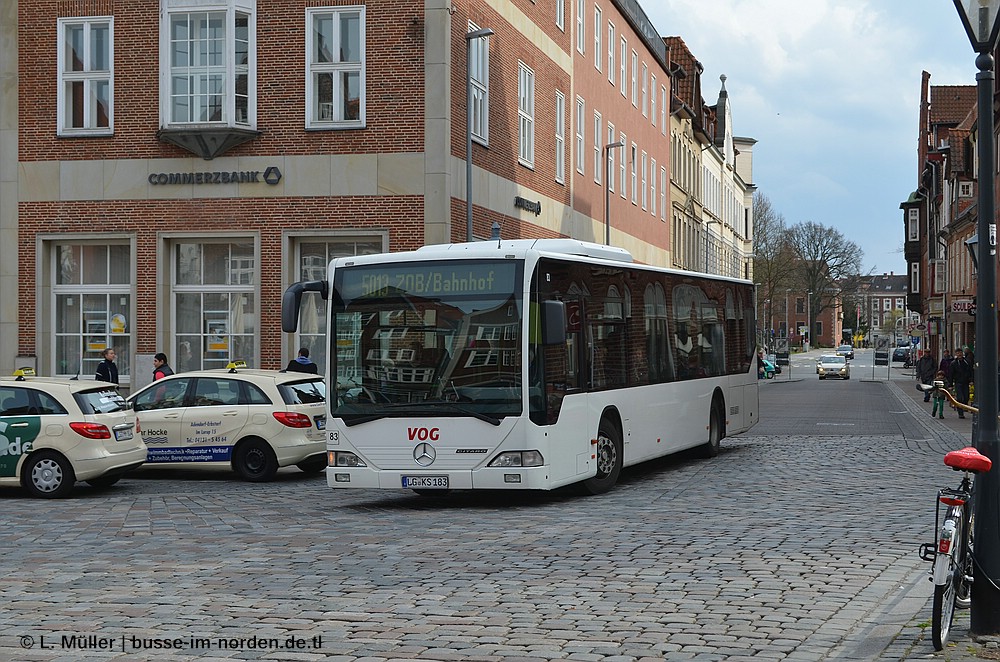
(770, 370)
(901, 354)
(832, 365)
(846, 351)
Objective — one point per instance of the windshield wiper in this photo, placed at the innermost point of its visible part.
(384, 409)
(492, 420)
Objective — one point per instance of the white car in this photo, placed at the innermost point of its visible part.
(253, 421)
(830, 365)
(54, 432)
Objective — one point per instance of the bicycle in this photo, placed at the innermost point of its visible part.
(952, 553)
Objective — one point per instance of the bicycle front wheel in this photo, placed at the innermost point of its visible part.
(945, 594)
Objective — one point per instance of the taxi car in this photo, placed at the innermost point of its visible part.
(832, 365)
(253, 421)
(55, 432)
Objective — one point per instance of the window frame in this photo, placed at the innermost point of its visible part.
(526, 114)
(581, 114)
(598, 35)
(612, 45)
(479, 55)
(581, 33)
(560, 137)
(312, 120)
(88, 77)
(598, 131)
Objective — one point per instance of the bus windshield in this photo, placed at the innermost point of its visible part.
(427, 338)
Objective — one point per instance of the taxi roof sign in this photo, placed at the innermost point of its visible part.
(21, 373)
(233, 365)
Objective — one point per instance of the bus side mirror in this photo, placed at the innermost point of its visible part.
(553, 322)
(291, 301)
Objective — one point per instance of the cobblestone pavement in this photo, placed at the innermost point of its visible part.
(782, 548)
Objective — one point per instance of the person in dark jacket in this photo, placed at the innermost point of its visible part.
(107, 371)
(926, 369)
(945, 367)
(961, 377)
(160, 367)
(301, 363)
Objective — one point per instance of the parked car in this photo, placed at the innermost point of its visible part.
(253, 421)
(832, 365)
(846, 351)
(55, 432)
(901, 354)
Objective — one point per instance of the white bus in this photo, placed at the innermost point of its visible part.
(525, 364)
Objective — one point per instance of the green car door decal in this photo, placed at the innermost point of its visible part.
(17, 436)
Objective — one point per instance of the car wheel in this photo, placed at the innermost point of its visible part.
(313, 465)
(254, 460)
(104, 482)
(821, 377)
(48, 475)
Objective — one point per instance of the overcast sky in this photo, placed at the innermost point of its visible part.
(830, 90)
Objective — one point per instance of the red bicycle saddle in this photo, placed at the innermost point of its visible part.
(968, 459)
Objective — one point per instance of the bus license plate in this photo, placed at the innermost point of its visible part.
(426, 482)
(123, 435)
(321, 422)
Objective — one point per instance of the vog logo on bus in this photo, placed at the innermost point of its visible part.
(424, 434)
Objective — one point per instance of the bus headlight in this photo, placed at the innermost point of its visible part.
(518, 459)
(343, 459)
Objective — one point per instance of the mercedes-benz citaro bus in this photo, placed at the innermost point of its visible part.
(525, 364)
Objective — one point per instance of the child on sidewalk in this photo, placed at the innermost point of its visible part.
(938, 408)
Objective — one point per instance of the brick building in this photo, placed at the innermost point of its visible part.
(169, 167)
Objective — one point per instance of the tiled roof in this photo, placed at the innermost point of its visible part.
(950, 104)
(889, 284)
(679, 54)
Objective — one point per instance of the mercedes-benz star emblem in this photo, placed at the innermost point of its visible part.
(424, 454)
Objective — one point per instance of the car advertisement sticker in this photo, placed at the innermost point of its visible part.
(17, 436)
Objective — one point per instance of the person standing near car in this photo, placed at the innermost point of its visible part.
(302, 363)
(961, 377)
(107, 371)
(926, 369)
(160, 367)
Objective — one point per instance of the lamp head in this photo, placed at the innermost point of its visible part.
(980, 20)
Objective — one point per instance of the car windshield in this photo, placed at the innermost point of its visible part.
(419, 337)
(832, 359)
(100, 401)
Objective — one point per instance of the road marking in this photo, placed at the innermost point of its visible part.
(842, 424)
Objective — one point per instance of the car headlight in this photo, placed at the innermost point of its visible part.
(517, 459)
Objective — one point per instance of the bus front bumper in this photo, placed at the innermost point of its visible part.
(492, 478)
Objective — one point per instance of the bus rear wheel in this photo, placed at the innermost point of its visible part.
(609, 459)
(711, 447)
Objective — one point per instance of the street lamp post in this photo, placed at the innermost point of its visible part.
(788, 331)
(469, 37)
(980, 20)
(809, 326)
(607, 189)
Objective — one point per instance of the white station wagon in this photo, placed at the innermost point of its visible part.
(54, 432)
(253, 421)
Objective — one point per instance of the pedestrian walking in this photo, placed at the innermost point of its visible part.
(107, 371)
(961, 377)
(938, 407)
(945, 366)
(160, 367)
(927, 367)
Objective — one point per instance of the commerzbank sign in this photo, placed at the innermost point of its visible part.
(271, 175)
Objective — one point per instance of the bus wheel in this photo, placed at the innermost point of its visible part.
(609, 459)
(711, 447)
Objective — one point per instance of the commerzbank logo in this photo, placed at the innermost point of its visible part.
(270, 175)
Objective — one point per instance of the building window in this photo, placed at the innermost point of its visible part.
(611, 158)
(913, 225)
(335, 87)
(622, 66)
(560, 137)
(526, 114)
(645, 90)
(645, 163)
(561, 14)
(598, 33)
(86, 77)
(597, 147)
(313, 258)
(210, 62)
(663, 110)
(633, 162)
(92, 300)
(215, 303)
(621, 169)
(663, 193)
(581, 37)
(652, 98)
(635, 79)
(965, 189)
(479, 77)
(652, 186)
(612, 44)
(580, 112)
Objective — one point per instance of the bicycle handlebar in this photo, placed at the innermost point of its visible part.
(939, 386)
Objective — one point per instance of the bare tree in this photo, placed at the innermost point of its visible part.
(773, 264)
(829, 264)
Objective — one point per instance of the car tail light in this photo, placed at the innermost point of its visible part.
(91, 430)
(293, 419)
